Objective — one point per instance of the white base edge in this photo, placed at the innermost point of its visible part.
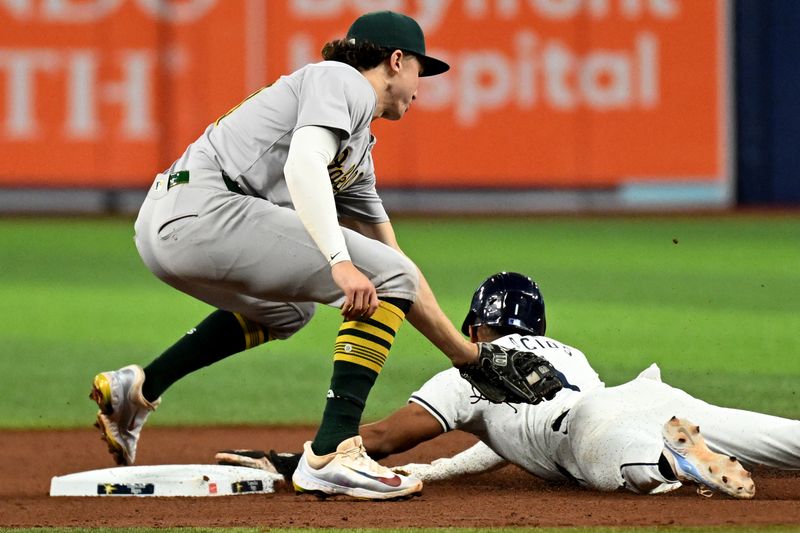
(166, 480)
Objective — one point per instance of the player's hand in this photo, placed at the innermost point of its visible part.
(360, 296)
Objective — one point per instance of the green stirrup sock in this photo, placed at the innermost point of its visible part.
(220, 335)
(361, 349)
(350, 386)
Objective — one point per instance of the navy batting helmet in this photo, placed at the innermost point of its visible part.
(507, 300)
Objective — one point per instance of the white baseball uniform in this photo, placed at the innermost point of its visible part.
(602, 437)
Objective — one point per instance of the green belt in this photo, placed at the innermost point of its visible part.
(182, 176)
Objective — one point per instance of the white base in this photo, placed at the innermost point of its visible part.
(166, 480)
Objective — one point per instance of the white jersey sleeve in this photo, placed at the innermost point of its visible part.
(446, 396)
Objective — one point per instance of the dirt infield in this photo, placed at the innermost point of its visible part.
(508, 497)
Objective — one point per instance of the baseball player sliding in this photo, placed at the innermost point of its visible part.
(248, 221)
(644, 435)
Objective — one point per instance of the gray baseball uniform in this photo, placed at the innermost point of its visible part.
(605, 438)
(230, 236)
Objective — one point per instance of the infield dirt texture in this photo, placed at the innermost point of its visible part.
(508, 497)
(715, 301)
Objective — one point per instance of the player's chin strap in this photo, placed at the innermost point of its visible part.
(478, 396)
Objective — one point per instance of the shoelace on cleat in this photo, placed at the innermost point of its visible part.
(360, 458)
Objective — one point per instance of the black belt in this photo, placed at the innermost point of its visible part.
(182, 176)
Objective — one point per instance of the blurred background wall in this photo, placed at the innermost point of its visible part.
(551, 105)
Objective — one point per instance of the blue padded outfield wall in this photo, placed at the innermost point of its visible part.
(767, 86)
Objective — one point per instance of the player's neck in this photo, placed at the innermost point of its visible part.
(378, 79)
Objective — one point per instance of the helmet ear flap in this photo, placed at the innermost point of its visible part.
(469, 320)
(473, 317)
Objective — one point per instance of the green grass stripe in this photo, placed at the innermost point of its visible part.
(718, 311)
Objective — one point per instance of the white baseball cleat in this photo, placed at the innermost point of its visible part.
(123, 410)
(350, 471)
(692, 461)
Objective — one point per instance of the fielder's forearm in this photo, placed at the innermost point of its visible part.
(429, 319)
(426, 315)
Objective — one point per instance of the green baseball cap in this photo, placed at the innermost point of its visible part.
(388, 29)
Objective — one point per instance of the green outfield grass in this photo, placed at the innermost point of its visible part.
(714, 301)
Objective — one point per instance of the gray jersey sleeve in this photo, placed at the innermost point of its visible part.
(335, 98)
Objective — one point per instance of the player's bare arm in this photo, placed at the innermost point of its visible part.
(429, 319)
(400, 431)
(425, 315)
